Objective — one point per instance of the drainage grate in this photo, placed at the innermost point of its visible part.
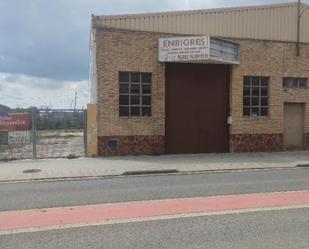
(27, 171)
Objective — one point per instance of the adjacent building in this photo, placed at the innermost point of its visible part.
(202, 81)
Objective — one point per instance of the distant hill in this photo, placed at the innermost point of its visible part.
(4, 110)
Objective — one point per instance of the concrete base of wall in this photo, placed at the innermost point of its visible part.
(256, 142)
(131, 145)
(155, 145)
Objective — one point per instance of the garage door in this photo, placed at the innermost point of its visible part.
(197, 105)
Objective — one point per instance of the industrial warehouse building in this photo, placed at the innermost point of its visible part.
(203, 81)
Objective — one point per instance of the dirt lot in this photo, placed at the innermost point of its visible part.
(50, 144)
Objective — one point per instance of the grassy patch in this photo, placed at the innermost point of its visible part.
(59, 133)
(5, 147)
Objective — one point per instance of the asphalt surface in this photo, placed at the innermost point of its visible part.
(276, 230)
(254, 230)
(82, 192)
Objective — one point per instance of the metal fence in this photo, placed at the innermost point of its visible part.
(42, 133)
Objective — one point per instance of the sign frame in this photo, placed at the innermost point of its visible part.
(15, 122)
(184, 49)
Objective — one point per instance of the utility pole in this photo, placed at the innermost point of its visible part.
(34, 133)
(75, 114)
(75, 99)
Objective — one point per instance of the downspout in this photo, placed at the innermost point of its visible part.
(298, 27)
(300, 13)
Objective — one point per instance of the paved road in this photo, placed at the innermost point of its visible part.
(275, 230)
(82, 192)
(264, 229)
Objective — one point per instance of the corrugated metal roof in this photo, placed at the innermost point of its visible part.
(267, 22)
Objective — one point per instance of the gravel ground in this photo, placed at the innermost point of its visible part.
(50, 144)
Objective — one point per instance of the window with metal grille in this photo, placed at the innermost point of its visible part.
(134, 94)
(295, 82)
(255, 96)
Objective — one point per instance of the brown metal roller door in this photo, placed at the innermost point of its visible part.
(197, 104)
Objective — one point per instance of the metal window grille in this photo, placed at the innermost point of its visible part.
(255, 96)
(295, 82)
(134, 94)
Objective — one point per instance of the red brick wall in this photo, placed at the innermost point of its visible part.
(132, 145)
(256, 142)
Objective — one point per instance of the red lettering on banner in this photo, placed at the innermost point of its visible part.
(14, 122)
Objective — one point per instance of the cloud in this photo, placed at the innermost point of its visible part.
(44, 44)
(28, 91)
(11, 78)
(50, 38)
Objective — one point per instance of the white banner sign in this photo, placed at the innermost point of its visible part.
(195, 48)
(19, 137)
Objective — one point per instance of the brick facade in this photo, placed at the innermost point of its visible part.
(132, 145)
(275, 60)
(133, 52)
(121, 50)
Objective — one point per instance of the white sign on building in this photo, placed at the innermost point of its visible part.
(195, 48)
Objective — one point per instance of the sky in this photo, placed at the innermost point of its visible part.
(44, 55)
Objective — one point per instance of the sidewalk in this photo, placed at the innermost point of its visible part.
(111, 166)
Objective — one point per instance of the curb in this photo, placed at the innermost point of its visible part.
(302, 165)
(150, 172)
(145, 173)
